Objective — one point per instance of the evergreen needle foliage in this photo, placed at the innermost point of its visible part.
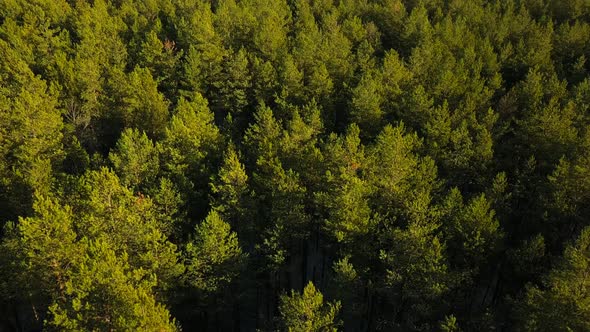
(294, 165)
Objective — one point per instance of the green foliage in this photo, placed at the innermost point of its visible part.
(473, 231)
(449, 324)
(366, 104)
(403, 181)
(168, 201)
(189, 148)
(569, 189)
(562, 304)
(417, 271)
(346, 285)
(262, 136)
(86, 283)
(422, 161)
(308, 312)
(299, 144)
(108, 211)
(345, 197)
(44, 247)
(213, 257)
(105, 293)
(279, 189)
(232, 84)
(190, 136)
(230, 189)
(146, 109)
(529, 259)
(135, 159)
(30, 134)
(162, 58)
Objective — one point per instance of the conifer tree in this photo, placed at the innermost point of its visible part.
(213, 257)
(230, 190)
(345, 197)
(562, 304)
(135, 159)
(146, 108)
(308, 312)
(366, 104)
(30, 135)
(189, 151)
(108, 211)
(105, 293)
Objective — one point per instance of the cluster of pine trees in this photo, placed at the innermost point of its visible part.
(295, 165)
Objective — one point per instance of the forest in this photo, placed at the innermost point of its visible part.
(294, 165)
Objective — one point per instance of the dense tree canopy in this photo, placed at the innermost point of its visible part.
(294, 165)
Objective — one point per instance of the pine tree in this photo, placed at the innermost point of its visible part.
(39, 253)
(190, 149)
(203, 47)
(562, 303)
(230, 190)
(30, 135)
(213, 257)
(168, 203)
(418, 274)
(308, 312)
(404, 182)
(135, 159)
(345, 195)
(280, 195)
(473, 230)
(82, 283)
(568, 189)
(106, 293)
(108, 211)
(366, 104)
(190, 137)
(232, 86)
(146, 108)
(347, 286)
(163, 59)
